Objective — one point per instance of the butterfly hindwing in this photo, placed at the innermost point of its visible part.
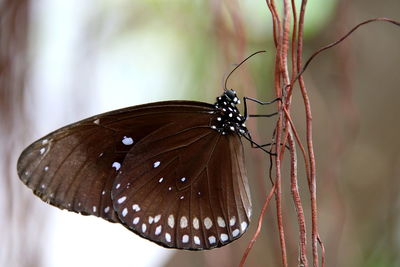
(182, 187)
(74, 167)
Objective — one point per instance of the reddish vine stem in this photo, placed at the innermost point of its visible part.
(297, 201)
(288, 135)
(283, 77)
(275, 20)
(322, 251)
(296, 135)
(278, 182)
(295, 190)
(397, 23)
(311, 157)
(278, 179)
(288, 97)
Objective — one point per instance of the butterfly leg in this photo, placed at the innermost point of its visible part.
(271, 144)
(258, 102)
(255, 145)
(263, 115)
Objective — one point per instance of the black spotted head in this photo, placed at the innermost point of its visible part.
(231, 95)
(229, 119)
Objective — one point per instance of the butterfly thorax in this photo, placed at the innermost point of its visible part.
(229, 118)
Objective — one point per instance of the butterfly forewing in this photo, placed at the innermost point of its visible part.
(74, 167)
(181, 187)
(67, 169)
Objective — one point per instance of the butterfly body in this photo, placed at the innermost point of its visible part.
(172, 172)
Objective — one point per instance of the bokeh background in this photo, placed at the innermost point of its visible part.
(64, 60)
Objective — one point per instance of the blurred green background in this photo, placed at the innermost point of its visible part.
(64, 60)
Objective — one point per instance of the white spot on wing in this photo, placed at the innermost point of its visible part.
(232, 221)
(96, 121)
(124, 212)
(161, 179)
(221, 222)
(121, 200)
(127, 141)
(116, 165)
(42, 150)
(45, 141)
(103, 193)
(117, 186)
(224, 237)
(196, 224)
(196, 240)
(94, 208)
(144, 227)
(151, 219)
(171, 221)
(136, 220)
(157, 218)
(158, 230)
(183, 179)
(185, 239)
(46, 168)
(243, 225)
(208, 223)
(184, 222)
(156, 164)
(167, 237)
(106, 209)
(136, 207)
(212, 239)
(235, 232)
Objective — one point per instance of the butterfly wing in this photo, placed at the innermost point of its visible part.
(74, 167)
(184, 186)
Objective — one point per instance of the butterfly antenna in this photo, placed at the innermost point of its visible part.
(243, 61)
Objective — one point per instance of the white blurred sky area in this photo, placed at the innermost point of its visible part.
(122, 73)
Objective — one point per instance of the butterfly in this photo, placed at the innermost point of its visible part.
(172, 172)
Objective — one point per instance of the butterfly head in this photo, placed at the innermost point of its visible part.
(228, 117)
(231, 96)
